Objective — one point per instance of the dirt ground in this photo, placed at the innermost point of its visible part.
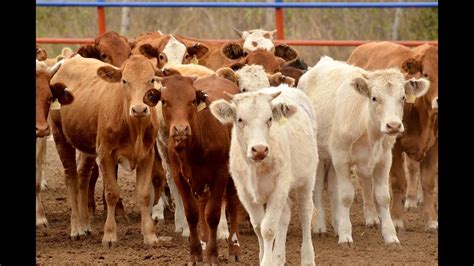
(418, 246)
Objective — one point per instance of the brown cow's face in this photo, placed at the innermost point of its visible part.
(137, 78)
(45, 94)
(266, 59)
(179, 101)
(110, 48)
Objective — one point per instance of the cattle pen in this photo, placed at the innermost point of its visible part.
(278, 5)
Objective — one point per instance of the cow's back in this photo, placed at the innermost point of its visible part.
(379, 55)
(79, 119)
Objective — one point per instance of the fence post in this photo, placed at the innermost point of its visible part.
(101, 18)
(279, 24)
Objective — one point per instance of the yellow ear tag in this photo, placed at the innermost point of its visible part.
(410, 98)
(55, 105)
(282, 121)
(201, 106)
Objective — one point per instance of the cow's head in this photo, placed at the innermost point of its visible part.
(180, 101)
(425, 64)
(46, 94)
(252, 115)
(266, 59)
(137, 78)
(255, 39)
(41, 54)
(387, 90)
(111, 48)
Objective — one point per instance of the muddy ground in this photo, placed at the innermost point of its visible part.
(418, 246)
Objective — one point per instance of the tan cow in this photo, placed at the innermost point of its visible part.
(110, 47)
(199, 158)
(45, 95)
(112, 119)
(420, 119)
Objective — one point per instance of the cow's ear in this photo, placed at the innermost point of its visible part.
(148, 51)
(60, 92)
(237, 66)
(411, 66)
(233, 51)
(228, 73)
(198, 49)
(89, 51)
(109, 73)
(152, 97)
(416, 87)
(159, 73)
(170, 72)
(278, 78)
(283, 110)
(269, 34)
(223, 110)
(41, 54)
(286, 52)
(361, 87)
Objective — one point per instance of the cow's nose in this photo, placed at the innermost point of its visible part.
(394, 126)
(181, 130)
(42, 130)
(259, 152)
(139, 110)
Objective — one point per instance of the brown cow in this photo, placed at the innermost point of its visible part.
(198, 151)
(112, 118)
(110, 47)
(45, 95)
(420, 120)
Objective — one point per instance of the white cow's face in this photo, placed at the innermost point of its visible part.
(175, 51)
(253, 115)
(256, 39)
(252, 78)
(387, 91)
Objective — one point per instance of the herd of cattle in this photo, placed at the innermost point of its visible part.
(240, 124)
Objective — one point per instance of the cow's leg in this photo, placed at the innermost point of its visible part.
(398, 183)
(203, 228)
(213, 215)
(428, 179)
(279, 255)
(370, 211)
(333, 198)
(144, 176)
(91, 193)
(305, 203)
(67, 155)
(119, 209)
(158, 181)
(86, 163)
(232, 207)
(192, 215)
(112, 194)
(413, 168)
(41, 221)
(223, 228)
(382, 195)
(256, 213)
(272, 215)
(318, 194)
(345, 192)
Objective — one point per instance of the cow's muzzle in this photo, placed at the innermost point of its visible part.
(259, 152)
(42, 130)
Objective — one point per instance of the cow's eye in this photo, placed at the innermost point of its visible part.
(163, 102)
(244, 90)
(403, 98)
(103, 56)
(239, 120)
(152, 80)
(124, 81)
(374, 99)
(270, 119)
(186, 56)
(425, 75)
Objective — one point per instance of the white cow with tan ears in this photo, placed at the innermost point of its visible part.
(359, 116)
(273, 151)
(258, 38)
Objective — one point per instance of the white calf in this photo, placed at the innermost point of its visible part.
(273, 151)
(359, 115)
